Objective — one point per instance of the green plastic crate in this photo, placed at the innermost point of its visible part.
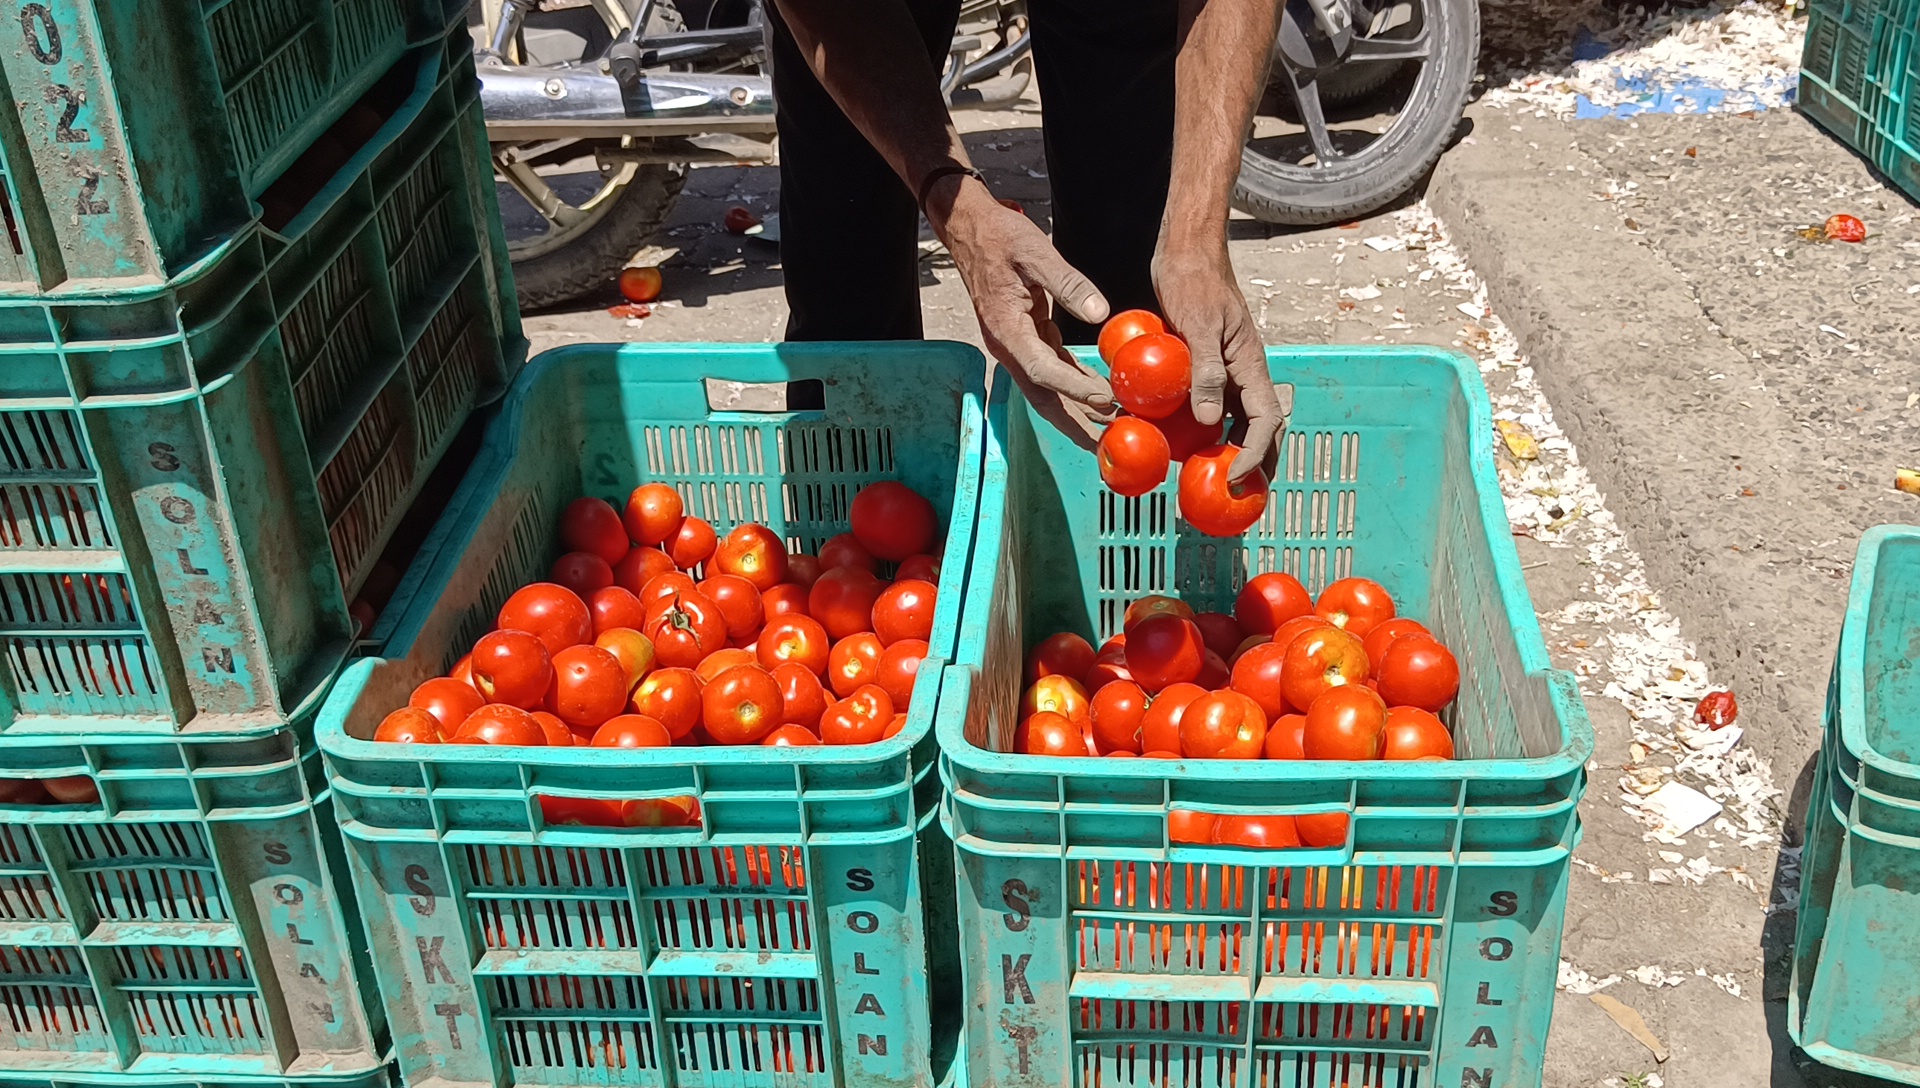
(380, 1078)
(1856, 967)
(796, 936)
(195, 479)
(1860, 80)
(189, 925)
(146, 129)
(1425, 950)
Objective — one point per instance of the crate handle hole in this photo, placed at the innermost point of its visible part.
(805, 395)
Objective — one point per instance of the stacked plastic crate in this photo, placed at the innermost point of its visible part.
(250, 286)
(1860, 79)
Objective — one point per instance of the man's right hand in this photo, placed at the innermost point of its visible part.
(1015, 277)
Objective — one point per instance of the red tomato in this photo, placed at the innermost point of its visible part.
(1357, 604)
(632, 731)
(1107, 670)
(1322, 829)
(871, 701)
(755, 553)
(1716, 709)
(1164, 650)
(790, 736)
(640, 284)
(671, 697)
(512, 667)
(463, 669)
(1133, 456)
(447, 699)
(685, 628)
(653, 514)
(1845, 228)
(1348, 722)
(892, 520)
(802, 569)
(1152, 375)
(1257, 675)
(1064, 654)
(1116, 646)
(1220, 631)
(741, 705)
(1259, 832)
(1214, 504)
(1319, 660)
(640, 567)
(904, 610)
(799, 639)
(895, 726)
(842, 600)
(612, 606)
(1146, 608)
(1223, 725)
(1049, 734)
(1118, 711)
(1125, 326)
(1286, 737)
(593, 526)
(785, 599)
(898, 669)
(1376, 640)
(739, 220)
(1246, 644)
(1190, 827)
(579, 811)
(923, 567)
(693, 544)
(1160, 726)
(1412, 733)
(554, 614)
(1418, 671)
(854, 662)
(1059, 695)
(739, 602)
(633, 650)
(860, 718)
(1186, 435)
(581, 572)
(802, 697)
(409, 725)
(662, 586)
(1214, 673)
(1296, 627)
(589, 686)
(1269, 600)
(73, 789)
(498, 723)
(557, 733)
(720, 661)
(846, 550)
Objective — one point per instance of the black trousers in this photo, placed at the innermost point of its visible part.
(848, 225)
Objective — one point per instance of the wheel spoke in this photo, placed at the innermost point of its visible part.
(535, 191)
(1306, 96)
(1419, 47)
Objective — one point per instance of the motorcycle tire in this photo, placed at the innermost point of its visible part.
(1289, 195)
(593, 258)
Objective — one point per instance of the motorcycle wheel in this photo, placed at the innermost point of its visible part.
(571, 233)
(1307, 165)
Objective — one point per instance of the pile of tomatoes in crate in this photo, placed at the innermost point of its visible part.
(1284, 677)
(1152, 375)
(625, 648)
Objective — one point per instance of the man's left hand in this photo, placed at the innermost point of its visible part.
(1201, 301)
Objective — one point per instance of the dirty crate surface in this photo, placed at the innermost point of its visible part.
(193, 480)
(1424, 950)
(1856, 966)
(801, 934)
(187, 925)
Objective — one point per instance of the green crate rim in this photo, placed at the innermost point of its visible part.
(1851, 665)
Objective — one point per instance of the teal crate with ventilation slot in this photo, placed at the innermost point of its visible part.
(801, 935)
(1860, 80)
(1423, 950)
(195, 480)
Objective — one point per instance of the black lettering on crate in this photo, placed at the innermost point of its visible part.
(1503, 904)
(860, 965)
(322, 1009)
(308, 970)
(176, 509)
(217, 658)
(603, 470)
(416, 878)
(1023, 1036)
(204, 612)
(161, 456)
(31, 14)
(449, 1011)
(1485, 997)
(1019, 900)
(1496, 948)
(869, 1004)
(1476, 1078)
(1483, 1036)
(85, 203)
(860, 880)
(293, 934)
(430, 960)
(278, 854)
(1013, 977)
(186, 563)
(863, 921)
(63, 130)
(871, 1045)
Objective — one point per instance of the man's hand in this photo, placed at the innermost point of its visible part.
(1202, 302)
(1015, 277)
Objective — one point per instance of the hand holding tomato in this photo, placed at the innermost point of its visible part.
(1201, 300)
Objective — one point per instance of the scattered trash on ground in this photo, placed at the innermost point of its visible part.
(739, 220)
(1632, 1023)
(1907, 480)
(1717, 709)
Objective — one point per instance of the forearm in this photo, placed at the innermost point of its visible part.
(1218, 75)
(871, 59)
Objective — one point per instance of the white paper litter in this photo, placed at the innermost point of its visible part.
(1366, 292)
(1655, 975)
(1679, 808)
(1575, 981)
(1384, 244)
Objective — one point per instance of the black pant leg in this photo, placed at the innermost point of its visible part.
(1105, 69)
(849, 229)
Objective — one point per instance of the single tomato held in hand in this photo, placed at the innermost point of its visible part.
(1124, 326)
(1215, 504)
(1152, 375)
(1133, 457)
